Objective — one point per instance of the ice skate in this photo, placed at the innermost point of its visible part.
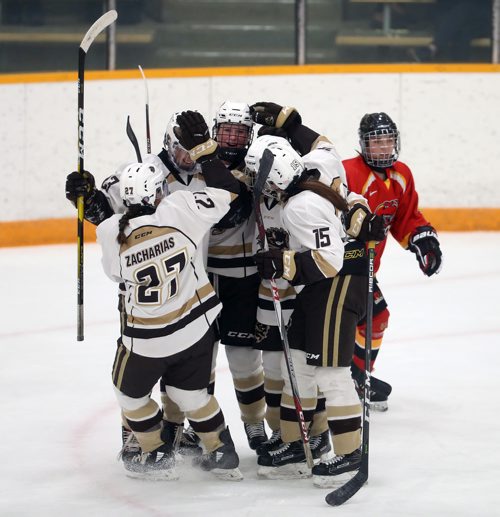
(269, 445)
(336, 470)
(223, 462)
(286, 462)
(379, 390)
(186, 443)
(256, 434)
(131, 450)
(157, 465)
(320, 444)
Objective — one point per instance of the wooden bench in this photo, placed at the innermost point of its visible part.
(26, 36)
(381, 39)
(395, 39)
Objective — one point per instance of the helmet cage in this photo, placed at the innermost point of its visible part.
(380, 147)
(173, 147)
(233, 131)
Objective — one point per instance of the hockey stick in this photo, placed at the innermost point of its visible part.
(345, 492)
(148, 131)
(133, 139)
(104, 21)
(265, 165)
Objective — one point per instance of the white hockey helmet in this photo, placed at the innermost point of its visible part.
(233, 131)
(287, 167)
(177, 154)
(254, 154)
(142, 184)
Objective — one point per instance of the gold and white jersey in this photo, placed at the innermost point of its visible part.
(169, 302)
(230, 250)
(316, 232)
(325, 158)
(277, 238)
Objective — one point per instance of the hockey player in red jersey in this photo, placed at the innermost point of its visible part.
(388, 185)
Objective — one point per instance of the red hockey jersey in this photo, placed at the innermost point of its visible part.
(395, 199)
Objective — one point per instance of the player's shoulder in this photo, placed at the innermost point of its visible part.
(402, 168)
(108, 226)
(353, 162)
(304, 204)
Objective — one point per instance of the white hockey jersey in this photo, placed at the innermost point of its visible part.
(230, 250)
(325, 158)
(169, 302)
(277, 238)
(314, 225)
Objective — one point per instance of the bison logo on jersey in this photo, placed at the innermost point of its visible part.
(261, 332)
(387, 210)
(277, 238)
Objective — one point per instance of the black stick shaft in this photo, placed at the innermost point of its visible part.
(79, 201)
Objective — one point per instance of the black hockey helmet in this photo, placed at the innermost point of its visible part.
(378, 129)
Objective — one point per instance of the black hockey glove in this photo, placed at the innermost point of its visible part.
(274, 115)
(361, 224)
(269, 263)
(195, 136)
(425, 245)
(80, 185)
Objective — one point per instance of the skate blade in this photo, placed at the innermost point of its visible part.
(333, 481)
(227, 474)
(291, 471)
(381, 406)
(160, 475)
(189, 451)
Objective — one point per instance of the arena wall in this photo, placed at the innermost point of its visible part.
(447, 114)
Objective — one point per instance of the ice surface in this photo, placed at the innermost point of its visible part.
(435, 452)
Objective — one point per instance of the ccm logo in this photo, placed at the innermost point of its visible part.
(141, 235)
(241, 335)
(312, 356)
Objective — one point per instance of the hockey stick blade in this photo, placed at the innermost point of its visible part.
(98, 26)
(133, 139)
(345, 492)
(266, 162)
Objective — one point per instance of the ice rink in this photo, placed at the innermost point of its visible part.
(436, 452)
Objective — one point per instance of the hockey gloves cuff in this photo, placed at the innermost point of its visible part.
(195, 137)
(425, 245)
(275, 264)
(361, 224)
(80, 185)
(274, 115)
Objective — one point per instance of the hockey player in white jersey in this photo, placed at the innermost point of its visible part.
(330, 301)
(169, 305)
(320, 158)
(181, 172)
(230, 262)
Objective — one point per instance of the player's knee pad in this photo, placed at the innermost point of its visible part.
(304, 374)
(337, 386)
(188, 400)
(271, 361)
(128, 403)
(243, 361)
